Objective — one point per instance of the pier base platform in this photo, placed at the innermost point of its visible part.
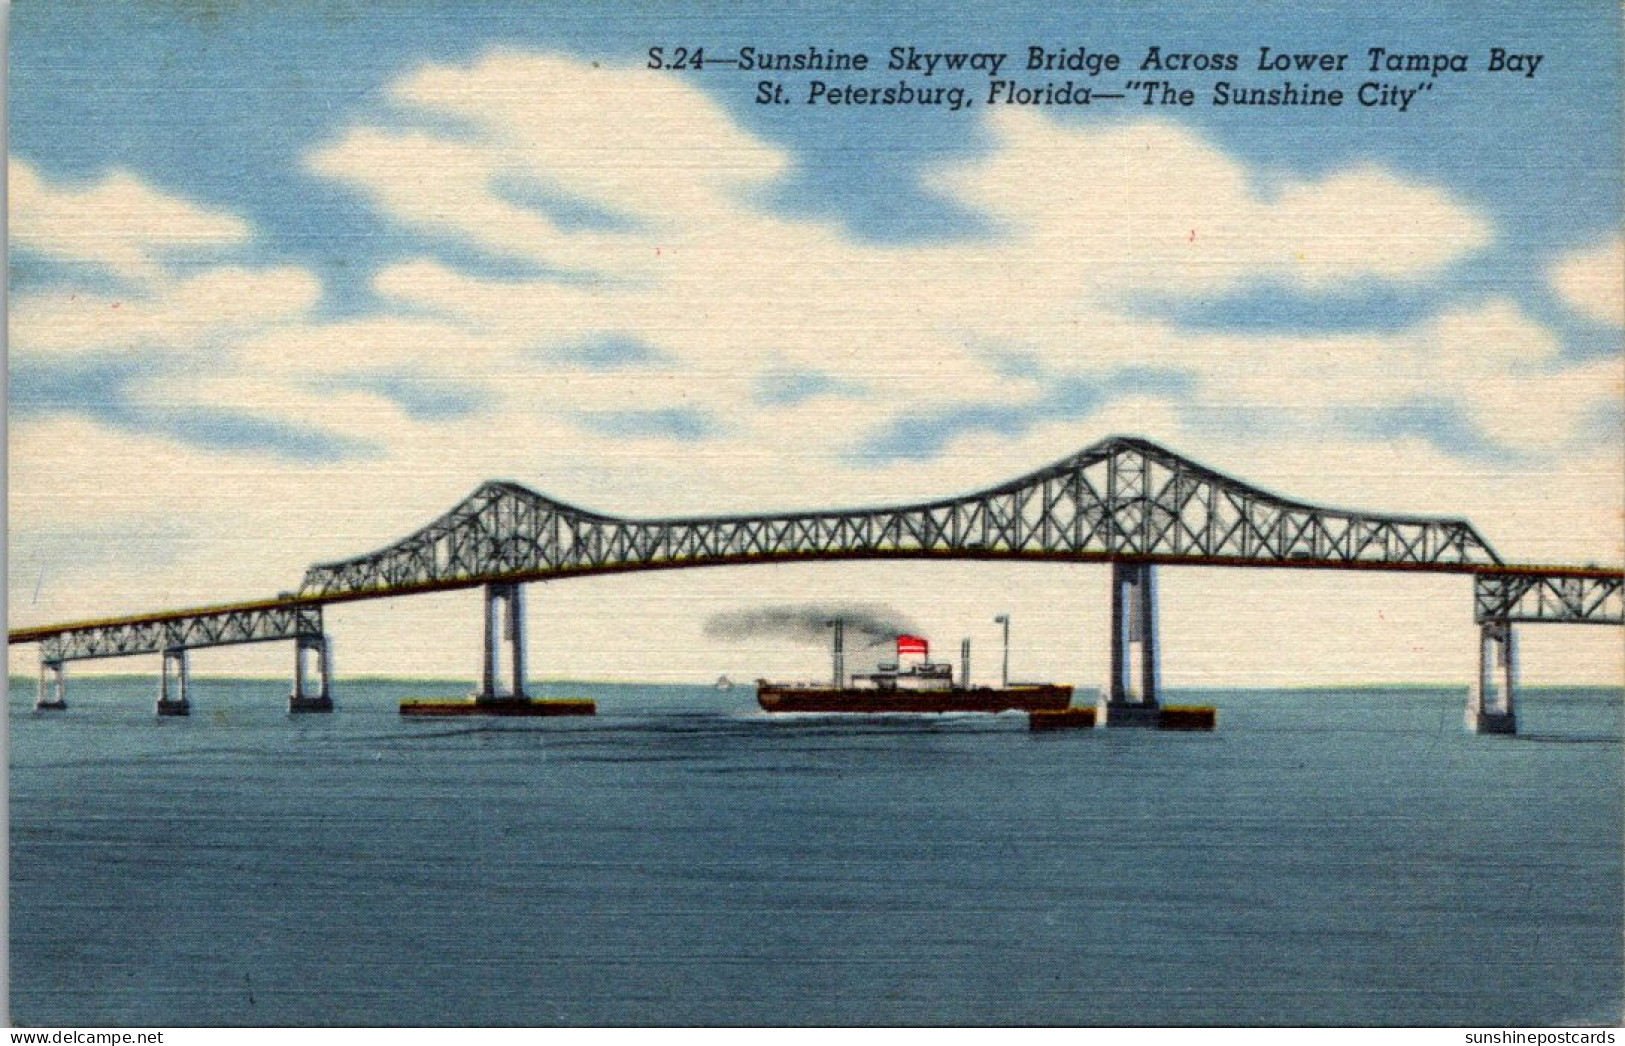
(522, 706)
(167, 707)
(1120, 714)
(1162, 717)
(309, 704)
(1505, 723)
(1041, 720)
(1188, 717)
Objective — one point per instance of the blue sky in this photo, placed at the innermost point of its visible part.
(219, 102)
(222, 105)
(355, 259)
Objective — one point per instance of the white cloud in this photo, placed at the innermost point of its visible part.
(1593, 281)
(203, 311)
(121, 222)
(729, 293)
(1502, 372)
(1154, 206)
(641, 145)
(178, 299)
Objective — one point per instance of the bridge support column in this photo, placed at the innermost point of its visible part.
(181, 704)
(53, 687)
(506, 623)
(1492, 709)
(1131, 697)
(301, 700)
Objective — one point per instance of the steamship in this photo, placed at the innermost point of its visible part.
(921, 686)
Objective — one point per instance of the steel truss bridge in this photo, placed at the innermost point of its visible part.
(1123, 501)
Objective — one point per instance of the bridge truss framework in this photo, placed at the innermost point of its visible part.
(1124, 501)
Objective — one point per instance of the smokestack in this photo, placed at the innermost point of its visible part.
(964, 664)
(840, 652)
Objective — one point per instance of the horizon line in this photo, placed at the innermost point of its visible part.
(374, 678)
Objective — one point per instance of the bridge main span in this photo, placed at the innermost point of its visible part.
(1124, 501)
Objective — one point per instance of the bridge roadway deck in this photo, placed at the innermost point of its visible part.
(39, 633)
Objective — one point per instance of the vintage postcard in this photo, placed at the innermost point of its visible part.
(1003, 514)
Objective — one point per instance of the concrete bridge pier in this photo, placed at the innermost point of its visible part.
(179, 705)
(53, 687)
(1492, 709)
(506, 623)
(301, 700)
(1131, 697)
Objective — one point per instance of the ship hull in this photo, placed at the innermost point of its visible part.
(1039, 697)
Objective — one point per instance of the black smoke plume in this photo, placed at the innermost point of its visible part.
(809, 622)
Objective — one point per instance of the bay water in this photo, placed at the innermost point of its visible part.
(1323, 857)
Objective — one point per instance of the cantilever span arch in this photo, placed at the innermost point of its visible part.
(1120, 498)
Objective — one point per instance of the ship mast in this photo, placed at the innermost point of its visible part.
(840, 652)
